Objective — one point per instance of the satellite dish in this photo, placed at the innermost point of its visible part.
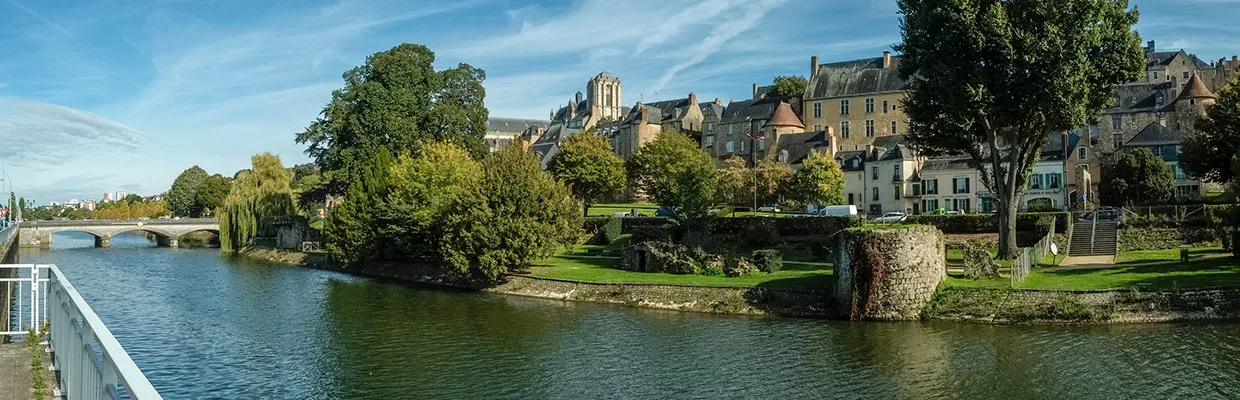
(1054, 249)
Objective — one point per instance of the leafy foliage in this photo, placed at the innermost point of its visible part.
(398, 101)
(521, 214)
(733, 179)
(769, 178)
(211, 193)
(260, 192)
(768, 260)
(1210, 152)
(820, 181)
(791, 85)
(182, 197)
(992, 79)
(423, 189)
(352, 233)
(1137, 178)
(676, 175)
(122, 210)
(589, 166)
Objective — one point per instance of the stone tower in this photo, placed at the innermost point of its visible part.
(1192, 103)
(603, 94)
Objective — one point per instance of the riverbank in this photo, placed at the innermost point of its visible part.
(954, 301)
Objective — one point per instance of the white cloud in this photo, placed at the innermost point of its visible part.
(751, 16)
(44, 133)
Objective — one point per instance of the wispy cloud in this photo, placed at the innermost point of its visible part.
(40, 133)
(41, 18)
(750, 16)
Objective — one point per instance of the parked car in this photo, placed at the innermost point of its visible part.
(838, 211)
(773, 209)
(894, 216)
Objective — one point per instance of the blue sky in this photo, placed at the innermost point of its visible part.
(125, 94)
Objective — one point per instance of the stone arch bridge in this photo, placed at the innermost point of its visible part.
(167, 232)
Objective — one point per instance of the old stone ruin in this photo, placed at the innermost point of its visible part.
(888, 274)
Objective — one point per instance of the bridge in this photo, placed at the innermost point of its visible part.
(168, 232)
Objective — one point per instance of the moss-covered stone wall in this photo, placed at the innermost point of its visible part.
(888, 274)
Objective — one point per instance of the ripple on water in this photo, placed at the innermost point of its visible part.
(205, 326)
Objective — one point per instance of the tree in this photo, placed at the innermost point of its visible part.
(589, 166)
(398, 101)
(791, 85)
(258, 193)
(992, 79)
(767, 179)
(820, 181)
(132, 198)
(1207, 155)
(353, 232)
(520, 215)
(676, 175)
(301, 171)
(211, 194)
(1137, 178)
(183, 194)
(422, 190)
(733, 182)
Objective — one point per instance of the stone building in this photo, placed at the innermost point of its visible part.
(860, 99)
(1164, 136)
(712, 113)
(503, 131)
(602, 104)
(747, 126)
(645, 121)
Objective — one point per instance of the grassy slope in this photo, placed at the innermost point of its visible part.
(603, 270)
(1204, 273)
(1145, 256)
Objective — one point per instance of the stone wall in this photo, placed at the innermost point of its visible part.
(1135, 239)
(888, 274)
(1008, 306)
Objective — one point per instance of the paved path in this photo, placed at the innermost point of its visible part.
(15, 381)
(1081, 261)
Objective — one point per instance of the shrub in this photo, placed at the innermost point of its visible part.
(593, 229)
(739, 267)
(1235, 243)
(612, 230)
(768, 260)
(681, 266)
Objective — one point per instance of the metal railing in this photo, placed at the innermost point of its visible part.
(1031, 257)
(91, 362)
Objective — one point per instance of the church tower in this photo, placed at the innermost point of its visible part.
(604, 96)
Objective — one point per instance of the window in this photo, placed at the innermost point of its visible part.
(762, 145)
(1035, 181)
(1155, 75)
(843, 107)
(869, 128)
(960, 185)
(1117, 121)
(874, 172)
(1082, 153)
(851, 200)
(817, 110)
(743, 146)
(1185, 74)
(731, 147)
(869, 106)
(884, 106)
(896, 190)
(963, 205)
(1157, 150)
(1052, 181)
(893, 128)
(710, 140)
(844, 129)
(730, 130)
(1118, 140)
(930, 186)
(875, 194)
(916, 189)
(895, 172)
(929, 205)
(817, 127)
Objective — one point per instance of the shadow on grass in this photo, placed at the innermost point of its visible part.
(1195, 274)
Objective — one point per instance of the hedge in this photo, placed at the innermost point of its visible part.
(989, 223)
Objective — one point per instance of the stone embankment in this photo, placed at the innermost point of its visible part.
(979, 305)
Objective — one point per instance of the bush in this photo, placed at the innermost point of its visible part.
(739, 267)
(612, 230)
(593, 229)
(988, 223)
(1235, 243)
(768, 260)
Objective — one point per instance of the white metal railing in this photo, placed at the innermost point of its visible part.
(92, 363)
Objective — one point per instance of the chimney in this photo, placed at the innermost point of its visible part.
(552, 117)
(869, 151)
(755, 90)
(693, 99)
(718, 102)
(1235, 58)
(832, 143)
(886, 59)
(643, 112)
(813, 66)
(572, 111)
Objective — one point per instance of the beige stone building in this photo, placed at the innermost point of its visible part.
(645, 121)
(582, 113)
(504, 131)
(859, 99)
(747, 127)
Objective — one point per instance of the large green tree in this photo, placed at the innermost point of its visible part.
(353, 232)
(1137, 178)
(767, 179)
(733, 182)
(820, 181)
(423, 189)
(521, 214)
(791, 85)
(1208, 154)
(259, 192)
(182, 197)
(991, 79)
(676, 174)
(589, 166)
(211, 194)
(398, 101)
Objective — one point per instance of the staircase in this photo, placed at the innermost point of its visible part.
(1094, 238)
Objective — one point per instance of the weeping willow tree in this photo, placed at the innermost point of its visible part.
(263, 191)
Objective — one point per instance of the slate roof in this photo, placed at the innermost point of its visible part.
(1154, 134)
(1164, 58)
(851, 78)
(753, 109)
(711, 112)
(800, 145)
(1138, 97)
(583, 108)
(513, 124)
(660, 111)
(845, 156)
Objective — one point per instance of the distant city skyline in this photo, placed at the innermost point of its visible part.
(103, 95)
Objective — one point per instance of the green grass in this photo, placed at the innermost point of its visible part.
(607, 210)
(1145, 256)
(994, 283)
(955, 258)
(603, 270)
(596, 249)
(1202, 273)
(317, 223)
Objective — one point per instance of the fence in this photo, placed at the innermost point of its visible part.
(1032, 256)
(92, 364)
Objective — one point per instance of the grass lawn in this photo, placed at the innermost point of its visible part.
(996, 283)
(595, 249)
(603, 270)
(1203, 273)
(607, 210)
(317, 223)
(1144, 256)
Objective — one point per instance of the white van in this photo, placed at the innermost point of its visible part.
(838, 211)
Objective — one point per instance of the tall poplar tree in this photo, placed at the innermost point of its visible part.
(991, 79)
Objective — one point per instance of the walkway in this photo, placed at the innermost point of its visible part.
(15, 380)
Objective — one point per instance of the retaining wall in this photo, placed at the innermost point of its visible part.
(888, 274)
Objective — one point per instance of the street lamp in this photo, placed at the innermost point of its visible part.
(753, 158)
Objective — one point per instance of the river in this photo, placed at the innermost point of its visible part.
(205, 326)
